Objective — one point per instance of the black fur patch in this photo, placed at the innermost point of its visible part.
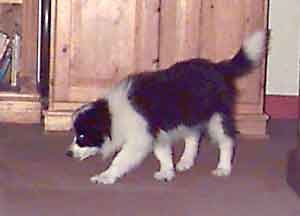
(188, 93)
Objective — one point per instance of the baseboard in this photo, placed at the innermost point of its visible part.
(252, 124)
(282, 107)
(57, 120)
(247, 124)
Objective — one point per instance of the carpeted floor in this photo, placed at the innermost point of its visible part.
(37, 179)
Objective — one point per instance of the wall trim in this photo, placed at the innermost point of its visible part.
(282, 107)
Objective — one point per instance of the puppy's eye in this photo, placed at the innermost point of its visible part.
(80, 139)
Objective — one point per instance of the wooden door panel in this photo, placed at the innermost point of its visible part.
(59, 51)
(147, 34)
(179, 31)
(224, 26)
(106, 41)
(251, 87)
(102, 45)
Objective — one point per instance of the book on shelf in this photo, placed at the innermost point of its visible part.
(10, 48)
(5, 63)
(4, 43)
(5, 55)
(15, 63)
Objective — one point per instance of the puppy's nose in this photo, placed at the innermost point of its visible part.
(69, 153)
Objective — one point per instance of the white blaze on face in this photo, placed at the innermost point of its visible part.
(82, 152)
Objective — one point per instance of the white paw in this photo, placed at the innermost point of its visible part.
(184, 165)
(166, 175)
(221, 172)
(103, 178)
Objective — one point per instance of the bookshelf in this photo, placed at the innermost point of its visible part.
(21, 104)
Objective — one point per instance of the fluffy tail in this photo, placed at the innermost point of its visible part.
(249, 56)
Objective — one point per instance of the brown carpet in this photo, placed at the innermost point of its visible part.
(36, 179)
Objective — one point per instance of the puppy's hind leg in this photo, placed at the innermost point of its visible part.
(220, 130)
(163, 152)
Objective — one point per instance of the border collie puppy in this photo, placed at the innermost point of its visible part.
(148, 111)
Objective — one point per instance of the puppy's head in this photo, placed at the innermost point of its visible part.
(91, 125)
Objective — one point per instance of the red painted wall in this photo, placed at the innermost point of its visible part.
(278, 107)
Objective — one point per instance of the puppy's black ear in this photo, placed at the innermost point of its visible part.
(103, 116)
(81, 109)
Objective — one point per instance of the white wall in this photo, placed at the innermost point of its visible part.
(284, 48)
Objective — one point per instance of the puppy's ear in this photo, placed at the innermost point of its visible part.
(82, 109)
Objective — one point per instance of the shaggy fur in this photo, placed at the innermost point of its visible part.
(149, 111)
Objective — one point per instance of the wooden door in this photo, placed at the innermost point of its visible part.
(180, 29)
(100, 42)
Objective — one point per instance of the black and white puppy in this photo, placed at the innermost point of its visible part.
(149, 111)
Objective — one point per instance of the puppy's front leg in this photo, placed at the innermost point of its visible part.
(127, 159)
